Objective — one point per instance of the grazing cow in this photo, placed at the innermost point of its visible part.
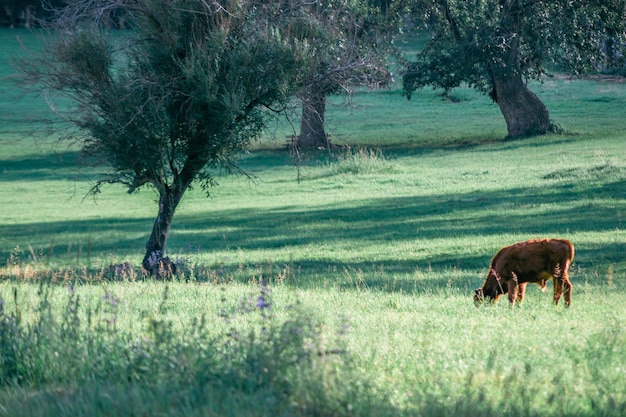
(533, 261)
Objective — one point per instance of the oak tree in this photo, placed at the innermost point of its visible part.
(497, 46)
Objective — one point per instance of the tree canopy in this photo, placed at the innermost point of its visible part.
(497, 46)
(179, 95)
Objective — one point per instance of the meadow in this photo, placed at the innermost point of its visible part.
(337, 284)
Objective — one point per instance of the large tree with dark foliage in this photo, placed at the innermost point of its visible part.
(177, 96)
(497, 46)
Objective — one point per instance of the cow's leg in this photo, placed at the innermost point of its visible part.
(559, 282)
(522, 292)
(558, 289)
(567, 289)
(566, 285)
(513, 287)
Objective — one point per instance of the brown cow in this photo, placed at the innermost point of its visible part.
(533, 261)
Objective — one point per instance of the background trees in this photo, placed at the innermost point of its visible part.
(26, 13)
(496, 46)
(176, 98)
(351, 51)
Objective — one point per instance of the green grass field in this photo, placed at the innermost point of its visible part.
(371, 255)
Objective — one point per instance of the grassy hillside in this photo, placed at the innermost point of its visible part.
(371, 255)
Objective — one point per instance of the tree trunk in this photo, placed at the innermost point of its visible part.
(523, 111)
(312, 133)
(154, 259)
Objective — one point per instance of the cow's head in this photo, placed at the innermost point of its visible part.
(493, 288)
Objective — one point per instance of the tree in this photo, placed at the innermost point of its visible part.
(350, 52)
(26, 13)
(178, 96)
(497, 46)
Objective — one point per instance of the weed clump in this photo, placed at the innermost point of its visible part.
(360, 160)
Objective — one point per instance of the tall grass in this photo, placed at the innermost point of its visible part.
(77, 357)
(174, 349)
(360, 161)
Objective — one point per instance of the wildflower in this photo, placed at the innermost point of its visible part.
(110, 299)
(262, 301)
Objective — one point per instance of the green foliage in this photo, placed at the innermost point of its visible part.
(471, 40)
(178, 94)
(351, 43)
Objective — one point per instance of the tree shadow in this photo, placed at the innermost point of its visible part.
(550, 211)
(41, 167)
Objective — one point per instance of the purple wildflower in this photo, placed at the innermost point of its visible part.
(262, 301)
(110, 299)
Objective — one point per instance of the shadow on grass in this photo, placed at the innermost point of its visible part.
(38, 167)
(549, 211)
